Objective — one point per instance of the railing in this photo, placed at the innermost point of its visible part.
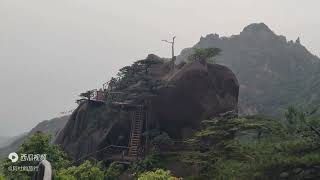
(99, 95)
(107, 151)
(108, 96)
(116, 96)
(115, 151)
(177, 145)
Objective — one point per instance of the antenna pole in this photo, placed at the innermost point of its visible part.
(172, 49)
(172, 46)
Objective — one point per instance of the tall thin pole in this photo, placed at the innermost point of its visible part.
(172, 46)
(172, 49)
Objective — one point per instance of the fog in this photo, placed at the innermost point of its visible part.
(50, 51)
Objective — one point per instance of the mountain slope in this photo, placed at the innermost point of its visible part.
(52, 126)
(273, 73)
(6, 141)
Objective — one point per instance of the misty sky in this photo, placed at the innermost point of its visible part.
(52, 50)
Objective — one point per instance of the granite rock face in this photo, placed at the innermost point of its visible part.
(197, 91)
(92, 126)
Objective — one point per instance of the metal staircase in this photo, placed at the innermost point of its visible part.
(136, 131)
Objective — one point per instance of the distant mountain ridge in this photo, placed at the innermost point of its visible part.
(4, 141)
(273, 73)
(52, 126)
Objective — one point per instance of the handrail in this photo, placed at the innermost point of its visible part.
(98, 151)
(116, 92)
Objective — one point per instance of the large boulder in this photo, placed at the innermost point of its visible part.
(193, 92)
(199, 92)
(92, 126)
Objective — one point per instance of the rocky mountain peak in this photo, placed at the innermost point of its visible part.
(266, 65)
(257, 28)
(259, 32)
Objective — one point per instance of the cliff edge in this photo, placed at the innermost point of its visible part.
(193, 92)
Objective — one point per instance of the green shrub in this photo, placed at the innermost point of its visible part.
(162, 139)
(150, 162)
(275, 149)
(114, 171)
(2, 177)
(85, 171)
(204, 55)
(158, 174)
(39, 143)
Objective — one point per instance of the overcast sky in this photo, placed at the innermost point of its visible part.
(52, 50)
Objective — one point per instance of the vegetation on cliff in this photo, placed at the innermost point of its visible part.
(204, 55)
(256, 147)
(222, 146)
(40, 144)
(158, 174)
(226, 147)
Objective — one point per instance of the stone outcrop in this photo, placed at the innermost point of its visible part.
(196, 92)
(199, 92)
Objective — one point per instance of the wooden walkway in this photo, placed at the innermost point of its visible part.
(138, 117)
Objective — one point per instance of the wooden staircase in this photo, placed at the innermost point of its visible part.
(136, 131)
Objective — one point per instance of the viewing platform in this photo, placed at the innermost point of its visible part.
(99, 95)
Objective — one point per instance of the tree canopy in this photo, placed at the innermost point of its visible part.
(88, 94)
(204, 54)
(86, 170)
(39, 143)
(158, 174)
(256, 147)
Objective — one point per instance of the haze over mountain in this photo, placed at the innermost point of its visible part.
(4, 141)
(52, 127)
(47, 47)
(273, 73)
